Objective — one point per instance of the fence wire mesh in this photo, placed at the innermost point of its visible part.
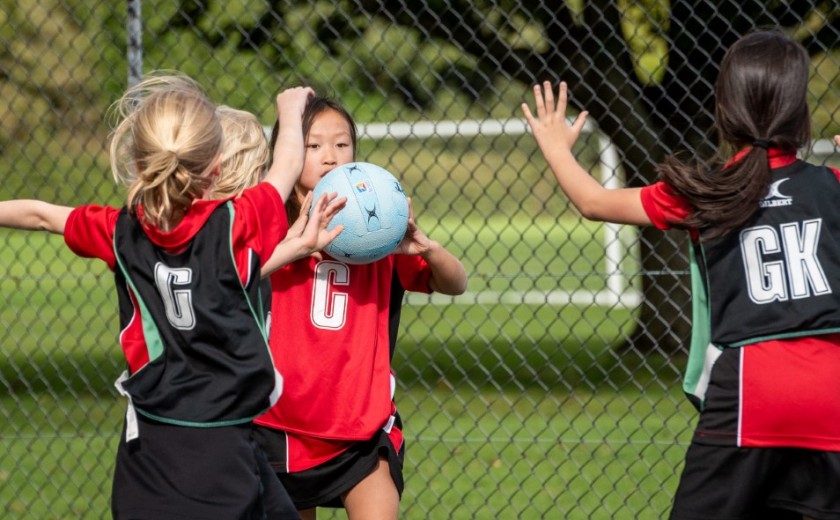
(551, 389)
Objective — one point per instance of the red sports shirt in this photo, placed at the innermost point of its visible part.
(329, 338)
(89, 233)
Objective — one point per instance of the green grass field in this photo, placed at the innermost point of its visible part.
(483, 453)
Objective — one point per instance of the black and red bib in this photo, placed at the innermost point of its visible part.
(201, 328)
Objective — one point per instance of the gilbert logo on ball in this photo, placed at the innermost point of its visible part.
(376, 215)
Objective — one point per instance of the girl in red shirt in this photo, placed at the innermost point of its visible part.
(765, 352)
(334, 435)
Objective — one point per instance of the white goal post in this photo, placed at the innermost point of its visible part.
(617, 291)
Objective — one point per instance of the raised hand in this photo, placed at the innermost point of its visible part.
(309, 234)
(294, 99)
(556, 137)
(550, 126)
(288, 153)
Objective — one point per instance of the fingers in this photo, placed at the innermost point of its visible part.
(562, 98)
(549, 97)
(318, 211)
(526, 111)
(307, 203)
(306, 92)
(294, 97)
(326, 207)
(540, 102)
(335, 206)
(410, 213)
(546, 105)
(333, 233)
(321, 203)
(577, 127)
(837, 140)
(540, 107)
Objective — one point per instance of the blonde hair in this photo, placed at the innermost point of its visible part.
(245, 154)
(166, 146)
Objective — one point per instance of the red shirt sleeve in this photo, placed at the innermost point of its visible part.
(260, 222)
(89, 232)
(259, 225)
(414, 273)
(663, 206)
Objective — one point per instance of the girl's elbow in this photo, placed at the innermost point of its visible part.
(459, 288)
(590, 210)
(450, 287)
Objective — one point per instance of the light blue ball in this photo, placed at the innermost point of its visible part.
(376, 215)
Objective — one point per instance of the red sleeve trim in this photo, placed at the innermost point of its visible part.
(89, 232)
(664, 208)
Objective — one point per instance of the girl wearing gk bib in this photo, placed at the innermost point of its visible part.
(765, 228)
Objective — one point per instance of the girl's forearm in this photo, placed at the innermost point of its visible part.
(33, 215)
(448, 274)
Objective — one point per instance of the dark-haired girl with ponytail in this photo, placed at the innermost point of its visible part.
(764, 361)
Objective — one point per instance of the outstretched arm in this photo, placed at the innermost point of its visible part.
(448, 274)
(33, 215)
(307, 235)
(288, 153)
(556, 138)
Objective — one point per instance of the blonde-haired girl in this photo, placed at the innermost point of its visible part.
(246, 153)
(187, 277)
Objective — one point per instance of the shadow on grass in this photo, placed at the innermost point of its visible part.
(61, 373)
(495, 364)
(531, 365)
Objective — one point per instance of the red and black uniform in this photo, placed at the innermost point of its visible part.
(199, 367)
(333, 325)
(765, 353)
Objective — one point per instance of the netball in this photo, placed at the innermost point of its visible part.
(376, 216)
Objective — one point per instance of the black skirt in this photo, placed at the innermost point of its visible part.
(175, 472)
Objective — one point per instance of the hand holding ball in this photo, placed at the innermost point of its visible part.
(376, 215)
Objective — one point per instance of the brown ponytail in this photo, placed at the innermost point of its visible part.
(761, 95)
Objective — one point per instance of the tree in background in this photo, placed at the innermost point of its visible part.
(55, 78)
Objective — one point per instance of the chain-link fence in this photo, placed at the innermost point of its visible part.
(551, 389)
